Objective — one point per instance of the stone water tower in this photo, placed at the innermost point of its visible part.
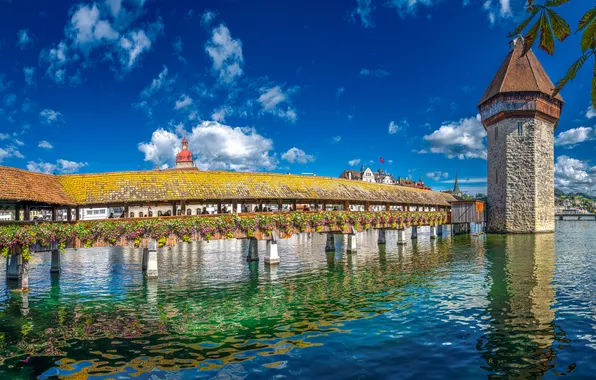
(520, 116)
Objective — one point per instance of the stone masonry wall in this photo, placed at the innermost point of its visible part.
(521, 176)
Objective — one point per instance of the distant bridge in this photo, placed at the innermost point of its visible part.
(580, 217)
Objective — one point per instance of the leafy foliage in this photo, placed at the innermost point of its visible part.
(550, 26)
(186, 229)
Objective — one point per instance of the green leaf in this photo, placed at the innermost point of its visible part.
(547, 40)
(586, 19)
(523, 25)
(588, 36)
(559, 25)
(555, 3)
(530, 37)
(572, 72)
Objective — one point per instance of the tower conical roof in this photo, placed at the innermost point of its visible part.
(456, 189)
(520, 73)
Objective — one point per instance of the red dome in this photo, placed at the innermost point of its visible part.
(184, 156)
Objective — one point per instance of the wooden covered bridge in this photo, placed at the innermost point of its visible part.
(284, 205)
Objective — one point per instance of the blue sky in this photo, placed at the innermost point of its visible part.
(297, 87)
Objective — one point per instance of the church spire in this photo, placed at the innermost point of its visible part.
(456, 189)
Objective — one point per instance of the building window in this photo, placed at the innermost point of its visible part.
(198, 211)
(188, 212)
(89, 212)
(159, 213)
(140, 214)
(179, 212)
(150, 213)
(132, 214)
(520, 129)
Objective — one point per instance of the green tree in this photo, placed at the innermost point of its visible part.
(550, 26)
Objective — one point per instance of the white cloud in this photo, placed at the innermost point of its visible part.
(363, 12)
(335, 139)
(4, 136)
(23, 39)
(44, 144)
(408, 7)
(462, 139)
(374, 73)
(437, 175)
(590, 112)
(61, 166)
(240, 149)
(8, 152)
(573, 175)
(339, 92)
(275, 101)
(394, 127)
(87, 30)
(226, 54)
(4, 84)
(143, 106)
(354, 162)
(29, 72)
(49, 116)
(19, 142)
(184, 102)
(132, 46)
(221, 113)
(163, 81)
(466, 180)
(207, 18)
(27, 105)
(9, 100)
(295, 155)
(56, 58)
(115, 6)
(575, 136)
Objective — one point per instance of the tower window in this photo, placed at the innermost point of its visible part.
(496, 132)
(132, 214)
(520, 129)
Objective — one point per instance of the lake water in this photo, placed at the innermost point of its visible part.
(462, 307)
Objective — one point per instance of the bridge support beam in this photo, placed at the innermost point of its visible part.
(25, 275)
(433, 232)
(401, 237)
(56, 264)
(151, 270)
(414, 232)
(272, 255)
(382, 240)
(330, 243)
(13, 267)
(351, 244)
(253, 250)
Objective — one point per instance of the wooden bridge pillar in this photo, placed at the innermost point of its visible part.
(381, 240)
(56, 264)
(272, 256)
(351, 243)
(13, 266)
(149, 262)
(433, 232)
(414, 232)
(330, 243)
(253, 250)
(401, 237)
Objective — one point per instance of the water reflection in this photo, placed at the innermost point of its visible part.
(522, 331)
(451, 307)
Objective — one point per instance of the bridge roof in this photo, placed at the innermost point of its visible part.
(194, 185)
(23, 185)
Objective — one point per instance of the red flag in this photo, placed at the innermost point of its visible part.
(382, 160)
(149, 207)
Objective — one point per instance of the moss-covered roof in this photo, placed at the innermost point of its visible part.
(178, 185)
(174, 185)
(23, 185)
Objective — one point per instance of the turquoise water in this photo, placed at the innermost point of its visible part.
(462, 307)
